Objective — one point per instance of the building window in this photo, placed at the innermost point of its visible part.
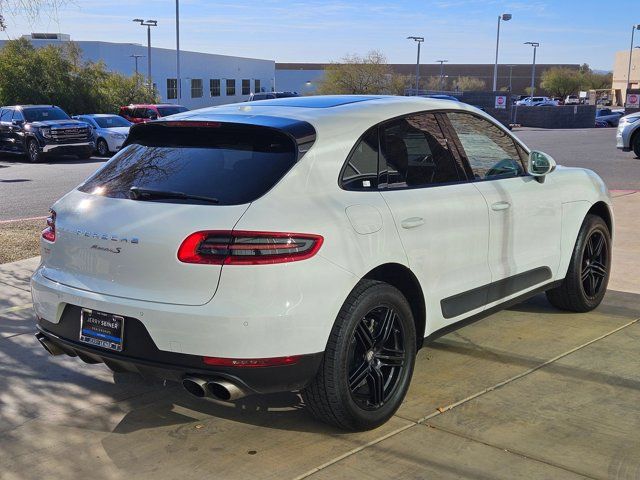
(246, 86)
(172, 88)
(256, 85)
(231, 87)
(214, 87)
(196, 88)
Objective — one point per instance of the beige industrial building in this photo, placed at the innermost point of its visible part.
(620, 72)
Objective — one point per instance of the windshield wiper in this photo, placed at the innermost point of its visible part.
(147, 194)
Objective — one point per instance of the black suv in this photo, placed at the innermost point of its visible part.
(40, 130)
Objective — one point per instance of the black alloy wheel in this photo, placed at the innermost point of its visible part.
(377, 357)
(594, 264)
(368, 361)
(587, 277)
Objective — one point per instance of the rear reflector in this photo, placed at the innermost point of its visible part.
(247, 248)
(251, 362)
(49, 233)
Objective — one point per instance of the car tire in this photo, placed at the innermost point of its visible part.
(102, 147)
(369, 359)
(636, 144)
(585, 285)
(33, 151)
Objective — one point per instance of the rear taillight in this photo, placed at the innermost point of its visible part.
(251, 362)
(247, 248)
(49, 233)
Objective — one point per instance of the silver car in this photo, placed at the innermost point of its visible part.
(628, 134)
(110, 131)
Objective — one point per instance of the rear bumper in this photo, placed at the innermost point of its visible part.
(141, 355)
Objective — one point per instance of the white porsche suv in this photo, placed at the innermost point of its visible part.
(312, 244)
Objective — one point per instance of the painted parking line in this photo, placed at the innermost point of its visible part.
(22, 219)
(622, 193)
(17, 308)
(446, 408)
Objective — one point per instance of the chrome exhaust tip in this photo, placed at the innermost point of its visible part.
(48, 345)
(225, 390)
(195, 386)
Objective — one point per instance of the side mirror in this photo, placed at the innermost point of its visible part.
(540, 164)
(153, 117)
(17, 122)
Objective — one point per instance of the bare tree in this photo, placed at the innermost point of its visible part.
(30, 9)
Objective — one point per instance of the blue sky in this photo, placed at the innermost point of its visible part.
(462, 31)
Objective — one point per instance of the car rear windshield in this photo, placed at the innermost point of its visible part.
(112, 121)
(40, 114)
(231, 163)
(166, 111)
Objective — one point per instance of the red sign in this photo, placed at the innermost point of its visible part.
(501, 101)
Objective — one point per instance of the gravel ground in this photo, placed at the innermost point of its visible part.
(20, 240)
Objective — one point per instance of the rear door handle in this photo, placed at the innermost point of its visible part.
(500, 206)
(412, 222)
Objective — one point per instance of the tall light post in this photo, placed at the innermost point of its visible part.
(441, 62)
(510, 76)
(148, 24)
(178, 49)
(535, 45)
(504, 17)
(136, 57)
(419, 40)
(633, 30)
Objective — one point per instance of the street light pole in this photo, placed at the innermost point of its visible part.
(148, 24)
(441, 62)
(419, 40)
(136, 57)
(178, 49)
(535, 45)
(510, 76)
(506, 17)
(633, 30)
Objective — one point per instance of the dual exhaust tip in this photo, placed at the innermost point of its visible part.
(218, 389)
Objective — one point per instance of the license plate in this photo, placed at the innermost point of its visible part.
(102, 329)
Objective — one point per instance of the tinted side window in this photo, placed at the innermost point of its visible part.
(490, 151)
(414, 153)
(361, 170)
(139, 113)
(5, 115)
(17, 115)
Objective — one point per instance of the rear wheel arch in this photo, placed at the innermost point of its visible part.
(402, 278)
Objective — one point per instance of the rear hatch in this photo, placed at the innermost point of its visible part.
(119, 233)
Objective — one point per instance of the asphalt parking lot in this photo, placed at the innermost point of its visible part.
(530, 392)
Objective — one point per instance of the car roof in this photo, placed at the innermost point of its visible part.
(98, 115)
(29, 106)
(327, 112)
(141, 105)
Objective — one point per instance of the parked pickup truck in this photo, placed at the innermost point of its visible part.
(37, 131)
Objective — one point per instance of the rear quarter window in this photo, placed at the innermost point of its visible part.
(233, 163)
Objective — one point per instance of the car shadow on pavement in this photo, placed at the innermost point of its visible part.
(280, 411)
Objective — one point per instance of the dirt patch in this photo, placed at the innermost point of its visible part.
(20, 240)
